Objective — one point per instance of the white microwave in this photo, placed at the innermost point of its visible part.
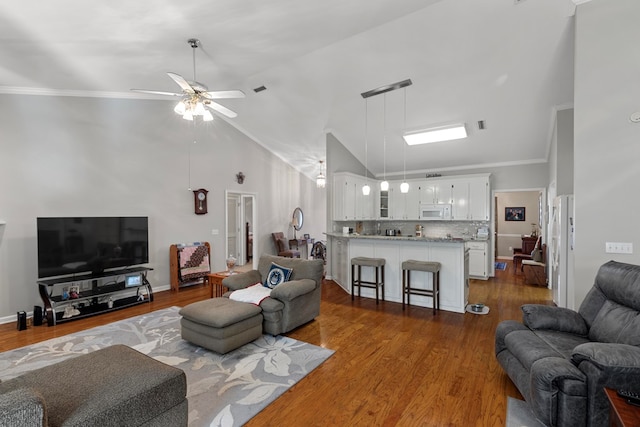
(431, 212)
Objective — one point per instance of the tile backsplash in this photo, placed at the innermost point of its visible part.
(435, 229)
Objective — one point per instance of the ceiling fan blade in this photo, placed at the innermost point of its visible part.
(182, 82)
(219, 94)
(157, 92)
(221, 109)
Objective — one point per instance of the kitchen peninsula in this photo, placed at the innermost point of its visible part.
(450, 253)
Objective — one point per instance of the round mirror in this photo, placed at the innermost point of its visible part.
(298, 219)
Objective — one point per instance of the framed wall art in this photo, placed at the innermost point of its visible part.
(514, 214)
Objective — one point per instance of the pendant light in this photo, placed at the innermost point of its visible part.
(384, 185)
(404, 187)
(321, 179)
(365, 188)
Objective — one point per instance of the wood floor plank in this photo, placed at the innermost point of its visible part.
(390, 367)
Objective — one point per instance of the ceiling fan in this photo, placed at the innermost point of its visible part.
(195, 95)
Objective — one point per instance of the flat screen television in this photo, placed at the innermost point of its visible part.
(76, 245)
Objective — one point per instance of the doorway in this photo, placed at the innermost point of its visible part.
(241, 233)
(508, 232)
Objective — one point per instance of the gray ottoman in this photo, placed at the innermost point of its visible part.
(114, 386)
(221, 324)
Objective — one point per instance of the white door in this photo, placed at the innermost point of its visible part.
(233, 223)
(240, 210)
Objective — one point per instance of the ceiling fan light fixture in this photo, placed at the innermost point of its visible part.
(196, 95)
(436, 134)
(207, 116)
(180, 108)
(199, 109)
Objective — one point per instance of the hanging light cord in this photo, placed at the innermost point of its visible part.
(404, 125)
(366, 143)
(384, 141)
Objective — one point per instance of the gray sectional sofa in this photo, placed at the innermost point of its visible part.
(114, 386)
(561, 360)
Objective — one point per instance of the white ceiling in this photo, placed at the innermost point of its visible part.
(507, 62)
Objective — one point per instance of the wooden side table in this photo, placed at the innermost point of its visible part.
(621, 413)
(217, 290)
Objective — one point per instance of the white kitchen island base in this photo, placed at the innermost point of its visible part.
(451, 254)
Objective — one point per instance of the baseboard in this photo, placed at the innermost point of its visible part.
(14, 318)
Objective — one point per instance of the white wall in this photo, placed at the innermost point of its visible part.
(69, 156)
(606, 147)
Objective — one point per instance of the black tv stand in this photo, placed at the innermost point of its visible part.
(75, 297)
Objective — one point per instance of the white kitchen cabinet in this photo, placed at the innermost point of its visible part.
(404, 205)
(383, 205)
(460, 200)
(348, 201)
(436, 191)
(365, 205)
(479, 199)
(471, 199)
(478, 259)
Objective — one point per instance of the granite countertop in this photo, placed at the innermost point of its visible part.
(403, 237)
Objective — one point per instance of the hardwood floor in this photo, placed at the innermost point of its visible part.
(390, 367)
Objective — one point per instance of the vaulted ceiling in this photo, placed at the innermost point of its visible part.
(506, 62)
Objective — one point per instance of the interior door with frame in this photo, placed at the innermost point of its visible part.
(241, 220)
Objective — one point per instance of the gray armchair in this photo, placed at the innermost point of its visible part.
(291, 303)
(561, 360)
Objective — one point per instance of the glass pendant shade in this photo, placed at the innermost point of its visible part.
(404, 187)
(384, 186)
(180, 108)
(366, 189)
(321, 179)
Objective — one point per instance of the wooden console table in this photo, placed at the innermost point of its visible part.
(621, 413)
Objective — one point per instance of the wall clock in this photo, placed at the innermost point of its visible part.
(200, 201)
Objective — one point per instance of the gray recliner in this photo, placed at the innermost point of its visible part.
(291, 303)
(561, 360)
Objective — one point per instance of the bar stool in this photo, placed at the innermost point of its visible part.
(429, 267)
(378, 264)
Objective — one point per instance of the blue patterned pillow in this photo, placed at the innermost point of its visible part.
(277, 274)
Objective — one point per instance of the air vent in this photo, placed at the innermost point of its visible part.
(259, 89)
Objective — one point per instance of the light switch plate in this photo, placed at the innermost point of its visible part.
(618, 248)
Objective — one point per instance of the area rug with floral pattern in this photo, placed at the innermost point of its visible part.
(223, 390)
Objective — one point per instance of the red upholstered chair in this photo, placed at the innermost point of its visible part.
(282, 245)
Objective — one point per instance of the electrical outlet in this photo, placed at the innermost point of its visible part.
(215, 232)
(618, 248)
(510, 248)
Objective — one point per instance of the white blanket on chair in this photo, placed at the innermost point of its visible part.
(253, 294)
